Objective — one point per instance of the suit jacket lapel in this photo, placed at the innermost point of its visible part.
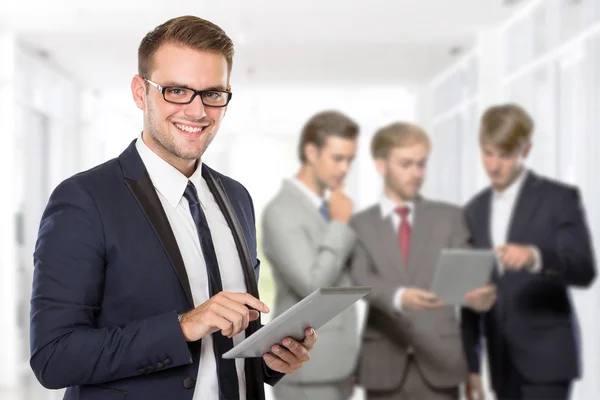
(483, 233)
(424, 223)
(311, 211)
(141, 187)
(253, 366)
(524, 209)
(482, 224)
(218, 191)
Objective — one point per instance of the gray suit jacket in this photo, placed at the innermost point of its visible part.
(432, 336)
(307, 253)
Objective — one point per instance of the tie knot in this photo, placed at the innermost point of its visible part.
(191, 194)
(403, 211)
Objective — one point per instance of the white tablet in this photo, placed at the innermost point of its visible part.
(314, 311)
(459, 271)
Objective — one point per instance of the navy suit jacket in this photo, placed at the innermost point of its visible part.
(109, 282)
(534, 320)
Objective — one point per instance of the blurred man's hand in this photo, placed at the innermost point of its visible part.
(481, 299)
(419, 300)
(475, 388)
(340, 206)
(515, 257)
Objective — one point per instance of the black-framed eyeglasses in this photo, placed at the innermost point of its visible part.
(185, 95)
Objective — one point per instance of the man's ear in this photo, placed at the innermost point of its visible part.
(138, 91)
(311, 152)
(526, 150)
(225, 111)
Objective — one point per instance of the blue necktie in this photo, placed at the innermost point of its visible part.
(226, 372)
(324, 210)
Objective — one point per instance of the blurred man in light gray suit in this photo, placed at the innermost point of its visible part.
(307, 240)
(412, 346)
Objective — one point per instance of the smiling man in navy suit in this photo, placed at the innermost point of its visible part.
(145, 266)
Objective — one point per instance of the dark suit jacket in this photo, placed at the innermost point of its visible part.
(109, 281)
(534, 319)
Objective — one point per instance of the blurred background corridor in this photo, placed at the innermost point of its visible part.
(66, 106)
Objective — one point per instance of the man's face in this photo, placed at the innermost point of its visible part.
(331, 163)
(501, 167)
(404, 169)
(181, 131)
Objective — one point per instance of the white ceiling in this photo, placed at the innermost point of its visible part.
(277, 41)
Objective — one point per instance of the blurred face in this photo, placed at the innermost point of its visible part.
(501, 167)
(404, 170)
(331, 163)
(180, 133)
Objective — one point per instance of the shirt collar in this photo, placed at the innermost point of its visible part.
(387, 206)
(167, 180)
(514, 188)
(313, 197)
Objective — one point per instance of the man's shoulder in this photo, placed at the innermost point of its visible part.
(287, 202)
(443, 207)
(226, 180)
(364, 216)
(554, 185)
(96, 178)
(477, 199)
(232, 187)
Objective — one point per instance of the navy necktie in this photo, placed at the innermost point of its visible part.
(324, 210)
(226, 372)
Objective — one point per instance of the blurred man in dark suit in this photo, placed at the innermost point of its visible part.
(538, 229)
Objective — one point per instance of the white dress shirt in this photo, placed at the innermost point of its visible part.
(170, 185)
(502, 209)
(388, 207)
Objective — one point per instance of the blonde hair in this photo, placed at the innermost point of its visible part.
(507, 126)
(398, 134)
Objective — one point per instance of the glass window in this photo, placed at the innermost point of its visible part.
(536, 92)
(446, 154)
(574, 17)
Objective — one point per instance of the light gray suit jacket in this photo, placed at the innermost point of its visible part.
(432, 336)
(307, 253)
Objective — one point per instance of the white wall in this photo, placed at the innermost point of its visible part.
(39, 111)
(8, 210)
(109, 122)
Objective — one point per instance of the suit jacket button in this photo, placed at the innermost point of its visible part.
(160, 365)
(189, 383)
(141, 370)
(150, 369)
(168, 361)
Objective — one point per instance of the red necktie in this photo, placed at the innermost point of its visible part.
(404, 232)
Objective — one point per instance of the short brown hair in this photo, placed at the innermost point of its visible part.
(398, 134)
(507, 126)
(323, 125)
(190, 31)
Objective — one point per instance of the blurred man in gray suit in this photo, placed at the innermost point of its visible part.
(307, 240)
(412, 345)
